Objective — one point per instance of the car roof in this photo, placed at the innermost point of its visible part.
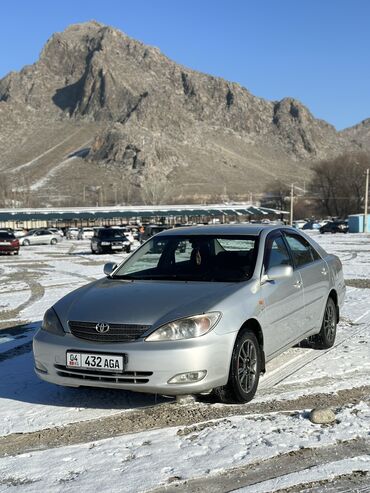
(220, 229)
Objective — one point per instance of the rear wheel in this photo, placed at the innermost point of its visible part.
(53, 241)
(26, 242)
(326, 337)
(245, 369)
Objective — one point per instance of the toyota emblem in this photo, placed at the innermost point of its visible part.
(102, 327)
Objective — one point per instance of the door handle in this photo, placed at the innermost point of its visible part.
(297, 284)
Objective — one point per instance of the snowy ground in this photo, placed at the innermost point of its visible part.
(218, 447)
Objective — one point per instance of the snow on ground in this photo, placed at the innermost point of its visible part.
(42, 274)
(228, 443)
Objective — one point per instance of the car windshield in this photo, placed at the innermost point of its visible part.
(193, 258)
(110, 233)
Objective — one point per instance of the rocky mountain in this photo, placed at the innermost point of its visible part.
(102, 118)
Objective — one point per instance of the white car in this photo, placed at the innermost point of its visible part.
(57, 231)
(19, 232)
(40, 237)
(85, 233)
(72, 234)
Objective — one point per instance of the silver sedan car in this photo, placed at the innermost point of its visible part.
(194, 309)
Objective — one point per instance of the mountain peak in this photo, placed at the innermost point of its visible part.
(151, 114)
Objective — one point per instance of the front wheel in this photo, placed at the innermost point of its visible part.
(53, 241)
(245, 369)
(326, 337)
(26, 242)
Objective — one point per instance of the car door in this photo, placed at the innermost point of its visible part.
(37, 238)
(282, 300)
(47, 237)
(315, 278)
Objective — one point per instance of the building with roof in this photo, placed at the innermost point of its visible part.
(169, 214)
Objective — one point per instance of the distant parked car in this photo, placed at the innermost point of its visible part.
(85, 233)
(311, 225)
(57, 231)
(335, 227)
(153, 229)
(109, 240)
(40, 237)
(72, 233)
(299, 223)
(8, 243)
(19, 232)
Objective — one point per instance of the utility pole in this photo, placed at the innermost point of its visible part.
(291, 203)
(366, 200)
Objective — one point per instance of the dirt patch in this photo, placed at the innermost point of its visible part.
(358, 283)
(291, 462)
(165, 415)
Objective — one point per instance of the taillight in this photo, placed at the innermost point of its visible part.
(15, 243)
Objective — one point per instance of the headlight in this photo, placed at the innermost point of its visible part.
(51, 323)
(185, 328)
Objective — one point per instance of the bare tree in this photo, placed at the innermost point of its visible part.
(339, 183)
(277, 194)
(5, 190)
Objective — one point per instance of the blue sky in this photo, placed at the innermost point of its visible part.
(314, 50)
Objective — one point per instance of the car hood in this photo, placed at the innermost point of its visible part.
(141, 302)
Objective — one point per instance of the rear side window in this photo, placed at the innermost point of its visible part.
(302, 252)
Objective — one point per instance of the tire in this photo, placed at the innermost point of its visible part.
(245, 369)
(26, 243)
(53, 241)
(16, 252)
(326, 337)
(128, 249)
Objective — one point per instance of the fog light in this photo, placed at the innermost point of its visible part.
(40, 367)
(188, 377)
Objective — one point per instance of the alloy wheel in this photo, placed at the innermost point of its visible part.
(329, 321)
(247, 366)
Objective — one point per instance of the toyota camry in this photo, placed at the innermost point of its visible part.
(193, 310)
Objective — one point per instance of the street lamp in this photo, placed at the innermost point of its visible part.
(366, 200)
(291, 203)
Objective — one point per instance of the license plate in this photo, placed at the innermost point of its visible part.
(117, 247)
(93, 361)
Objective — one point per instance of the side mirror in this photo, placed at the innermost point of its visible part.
(278, 272)
(109, 268)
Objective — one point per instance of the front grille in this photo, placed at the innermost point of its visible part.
(137, 377)
(117, 332)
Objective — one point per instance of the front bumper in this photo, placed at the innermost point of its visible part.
(149, 365)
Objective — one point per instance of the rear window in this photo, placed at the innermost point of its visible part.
(110, 233)
(6, 236)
